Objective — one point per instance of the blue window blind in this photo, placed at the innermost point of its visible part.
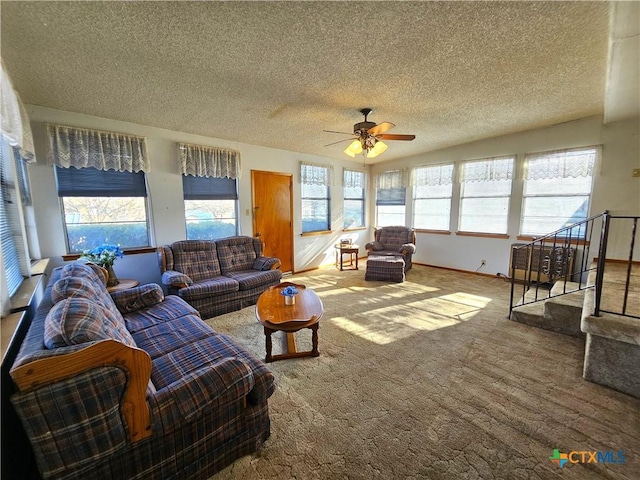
(209, 188)
(8, 209)
(391, 196)
(91, 182)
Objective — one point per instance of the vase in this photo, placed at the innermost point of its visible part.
(112, 280)
(289, 300)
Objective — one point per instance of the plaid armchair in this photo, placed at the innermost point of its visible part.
(394, 241)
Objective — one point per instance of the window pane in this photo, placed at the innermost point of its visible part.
(315, 191)
(493, 188)
(210, 219)
(432, 214)
(486, 215)
(93, 221)
(353, 213)
(542, 215)
(315, 215)
(556, 186)
(390, 215)
(433, 191)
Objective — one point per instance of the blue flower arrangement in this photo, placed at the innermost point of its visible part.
(289, 291)
(104, 255)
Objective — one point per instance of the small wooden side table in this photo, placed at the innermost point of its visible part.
(124, 284)
(349, 248)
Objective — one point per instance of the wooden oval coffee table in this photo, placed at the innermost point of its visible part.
(275, 316)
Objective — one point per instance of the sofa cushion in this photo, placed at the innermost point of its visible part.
(89, 271)
(238, 253)
(162, 338)
(249, 279)
(74, 321)
(212, 286)
(83, 287)
(196, 258)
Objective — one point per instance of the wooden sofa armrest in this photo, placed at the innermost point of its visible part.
(276, 265)
(135, 361)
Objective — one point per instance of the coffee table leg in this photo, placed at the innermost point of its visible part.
(267, 334)
(314, 340)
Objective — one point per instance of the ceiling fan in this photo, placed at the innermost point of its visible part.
(369, 136)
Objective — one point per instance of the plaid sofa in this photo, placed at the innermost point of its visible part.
(206, 397)
(218, 276)
(394, 242)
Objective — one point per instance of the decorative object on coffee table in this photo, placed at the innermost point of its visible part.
(289, 293)
(275, 316)
(105, 256)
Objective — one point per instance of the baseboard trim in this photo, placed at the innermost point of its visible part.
(482, 274)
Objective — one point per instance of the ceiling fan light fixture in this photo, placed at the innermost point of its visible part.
(354, 149)
(377, 149)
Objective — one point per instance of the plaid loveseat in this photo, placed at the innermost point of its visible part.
(218, 276)
(396, 241)
(134, 385)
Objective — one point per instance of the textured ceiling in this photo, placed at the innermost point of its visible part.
(277, 73)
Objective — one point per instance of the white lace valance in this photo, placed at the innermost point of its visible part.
(81, 148)
(487, 170)
(391, 179)
(315, 174)
(202, 161)
(354, 178)
(432, 175)
(14, 125)
(573, 163)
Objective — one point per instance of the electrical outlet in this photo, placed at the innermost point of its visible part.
(636, 172)
(484, 262)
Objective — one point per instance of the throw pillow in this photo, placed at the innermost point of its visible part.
(75, 321)
(377, 246)
(137, 298)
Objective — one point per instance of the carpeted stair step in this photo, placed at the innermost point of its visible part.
(559, 313)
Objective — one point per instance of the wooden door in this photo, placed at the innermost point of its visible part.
(272, 197)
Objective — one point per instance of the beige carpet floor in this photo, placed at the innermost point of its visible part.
(429, 380)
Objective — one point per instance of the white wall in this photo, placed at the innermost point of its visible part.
(165, 192)
(614, 188)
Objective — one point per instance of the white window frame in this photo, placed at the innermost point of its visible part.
(213, 198)
(355, 179)
(564, 179)
(428, 178)
(478, 181)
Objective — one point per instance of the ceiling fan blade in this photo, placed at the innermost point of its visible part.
(339, 141)
(333, 131)
(381, 128)
(395, 136)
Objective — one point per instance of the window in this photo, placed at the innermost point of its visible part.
(557, 189)
(103, 206)
(390, 198)
(433, 186)
(390, 206)
(12, 244)
(211, 207)
(316, 200)
(485, 191)
(354, 186)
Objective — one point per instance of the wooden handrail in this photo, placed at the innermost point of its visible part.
(135, 361)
